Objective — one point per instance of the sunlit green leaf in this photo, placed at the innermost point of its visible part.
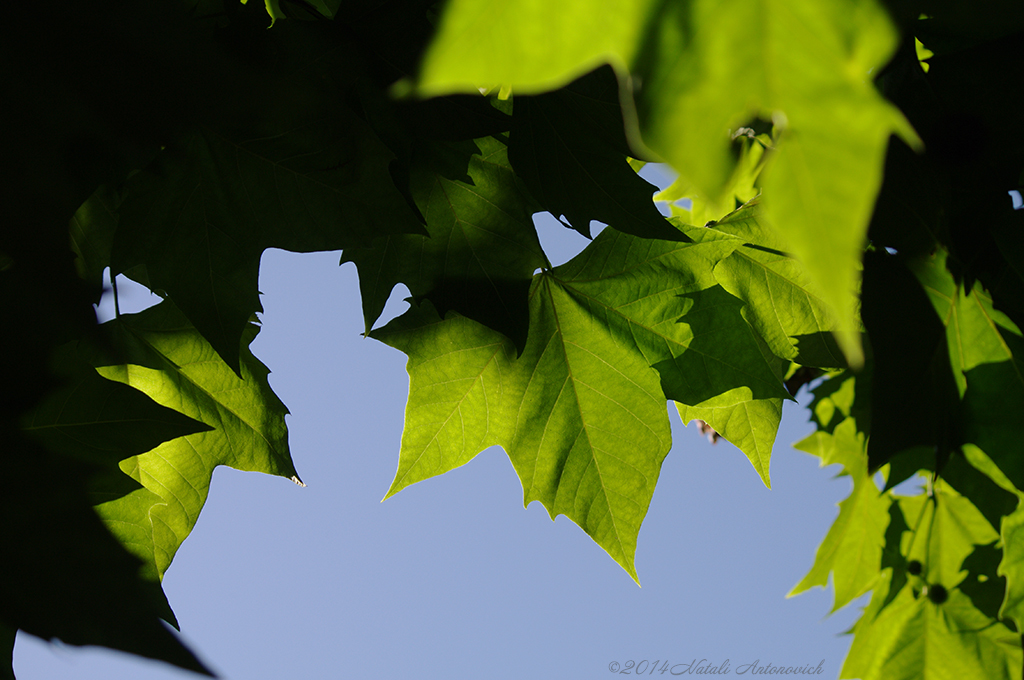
(99, 420)
(807, 68)
(480, 44)
(916, 639)
(947, 527)
(783, 305)
(1012, 567)
(852, 549)
(162, 355)
(459, 373)
(985, 351)
(613, 333)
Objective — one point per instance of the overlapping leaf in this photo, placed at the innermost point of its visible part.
(79, 584)
(581, 412)
(933, 625)
(948, 527)
(914, 638)
(92, 235)
(753, 152)
(782, 304)
(1012, 567)
(158, 352)
(569, 147)
(985, 350)
(65, 576)
(478, 44)
(807, 68)
(101, 421)
(943, 601)
(482, 247)
(590, 429)
(289, 165)
(659, 297)
(201, 217)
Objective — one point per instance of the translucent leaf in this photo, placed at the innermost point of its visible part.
(459, 373)
(1012, 567)
(985, 349)
(162, 355)
(569, 147)
(807, 68)
(481, 45)
(783, 305)
(852, 549)
(581, 412)
(290, 165)
(915, 639)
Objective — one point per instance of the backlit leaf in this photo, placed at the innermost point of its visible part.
(914, 638)
(852, 549)
(459, 373)
(164, 356)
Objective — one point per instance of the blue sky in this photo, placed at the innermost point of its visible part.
(453, 578)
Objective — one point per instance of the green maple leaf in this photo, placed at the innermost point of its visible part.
(852, 549)
(939, 621)
(983, 584)
(77, 583)
(914, 638)
(1012, 567)
(459, 373)
(948, 527)
(658, 296)
(482, 247)
(753, 151)
(478, 44)
(158, 352)
(835, 126)
(985, 350)
(101, 421)
(92, 235)
(590, 429)
(104, 422)
(811, 86)
(782, 303)
(581, 412)
(85, 428)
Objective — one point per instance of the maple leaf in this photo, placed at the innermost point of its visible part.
(982, 349)
(158, 352)
(812, 86)
(916, 638)
(482, 247)
(614, 332)
(852, 549)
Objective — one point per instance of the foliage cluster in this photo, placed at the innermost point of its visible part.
(829, 231)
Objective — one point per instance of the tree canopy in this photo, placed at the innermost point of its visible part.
(841, 220)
